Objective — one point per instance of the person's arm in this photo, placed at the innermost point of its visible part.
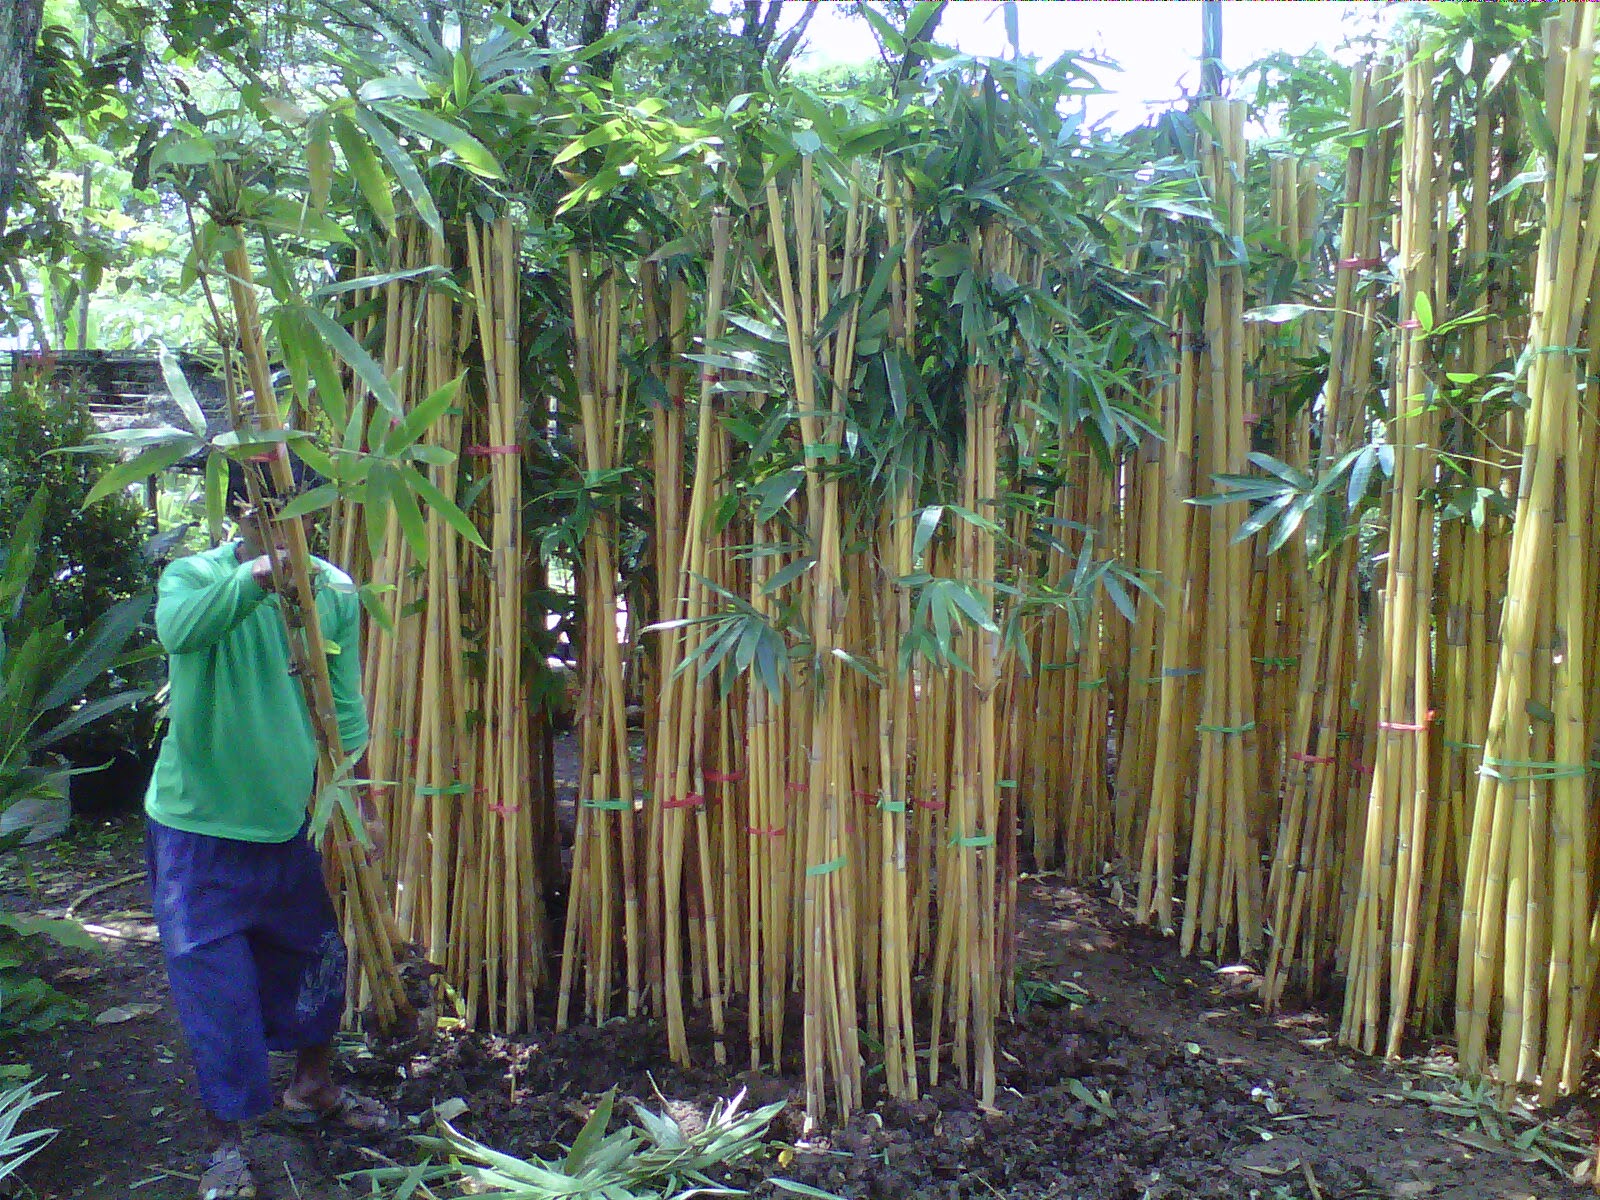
(195, 612)
(344, 672)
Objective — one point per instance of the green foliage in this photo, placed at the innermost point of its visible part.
(658, 1160)
(16, 1148)
(27, 1003)
(87, 560)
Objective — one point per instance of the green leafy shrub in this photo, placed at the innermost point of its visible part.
(87, 559)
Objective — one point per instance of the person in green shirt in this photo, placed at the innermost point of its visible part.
(248, 932)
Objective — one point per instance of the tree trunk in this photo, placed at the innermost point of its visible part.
(19, 47)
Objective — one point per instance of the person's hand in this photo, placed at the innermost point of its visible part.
(377, 834)
(261, 569)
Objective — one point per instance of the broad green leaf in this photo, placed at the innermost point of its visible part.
(216, 493)
(404, 169)
(474, 155)
(412, 525)
(178, 388)
(927, 524)
(444, 506)
(421, 418)
(317, 499)
(319, 170)
(356, 357)
(152, 462)
(363, 164)
(1422, 309)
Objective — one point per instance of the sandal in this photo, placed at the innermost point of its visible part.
(227, 1175)
(353, 1111)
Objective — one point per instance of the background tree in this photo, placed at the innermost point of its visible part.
(19, 41)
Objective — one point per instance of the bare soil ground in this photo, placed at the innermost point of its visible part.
(1169, 1083)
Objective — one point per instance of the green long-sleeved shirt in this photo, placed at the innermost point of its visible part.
(239, 760)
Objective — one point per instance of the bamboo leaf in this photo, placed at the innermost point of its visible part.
(788, 575)
(216, 492)
(152, 462)
(927, 523)
(443, 505)
(178, 388)
(474, 155)
(421, 418)
(317, 499)
(404, 169)
(356, 357)
(363, 164)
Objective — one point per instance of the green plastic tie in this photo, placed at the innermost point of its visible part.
(819, 449)
(1089, 685)
(975, 842)
(892, 806)
(1292, 660)
(1505, 770)
(1452, 744)
(1227, 729)
(1181, 672)
(1006, 783)
(455, 789)
(828, 868)
(1061, 666)
(609, 805)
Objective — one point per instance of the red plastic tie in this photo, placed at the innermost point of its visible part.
(724, 776)
(1311, 760)
(268, 456)
(930, 805)
(1252, 418)
(690, 801)
(795, 789)
(1358, 264)
(1398, 727)
(491, 451)
(1413, 323)
(760, 831)
(502, 810)
(860, 795)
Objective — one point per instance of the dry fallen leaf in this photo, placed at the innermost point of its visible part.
(126, 1012)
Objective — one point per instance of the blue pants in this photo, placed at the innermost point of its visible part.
(253, 954)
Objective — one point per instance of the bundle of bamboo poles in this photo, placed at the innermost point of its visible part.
(1322, 740)
(1388, 903)
(1527, 948)
(454, 739)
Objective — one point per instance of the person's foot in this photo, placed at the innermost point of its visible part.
(227, 1175)
(339, 1106)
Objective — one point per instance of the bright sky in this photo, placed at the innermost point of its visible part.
(1157, 42)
